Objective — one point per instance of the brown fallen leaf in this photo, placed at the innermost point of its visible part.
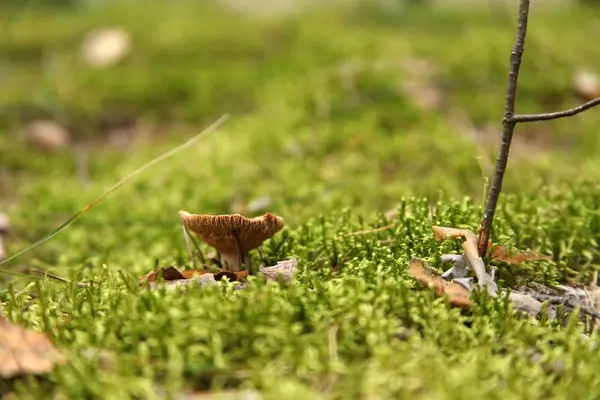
(456, 293)
(283, 269)
(502, 253)
(495, 251)
(24, 351)
(232, 276)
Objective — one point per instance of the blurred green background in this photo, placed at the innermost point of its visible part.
(334, 104)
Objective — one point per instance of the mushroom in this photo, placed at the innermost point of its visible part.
(4, 225)
(233, 236)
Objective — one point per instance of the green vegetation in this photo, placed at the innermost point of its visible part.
(333, 150)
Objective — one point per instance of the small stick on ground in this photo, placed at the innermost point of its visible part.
(509, 122)
(58, 278)
(367, 231)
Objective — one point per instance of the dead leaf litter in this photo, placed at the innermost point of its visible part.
(26, 352)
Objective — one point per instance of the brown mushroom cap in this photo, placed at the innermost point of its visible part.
(218, 231)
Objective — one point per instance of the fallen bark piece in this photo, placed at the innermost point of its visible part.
(284, 269)
(525, 303)
(23, 351)
(456, 293)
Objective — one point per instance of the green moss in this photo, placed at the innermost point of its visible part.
(333, 155)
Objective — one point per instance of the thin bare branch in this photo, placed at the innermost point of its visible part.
(555, 115)
(508, 128)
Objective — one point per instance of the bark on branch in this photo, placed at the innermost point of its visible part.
(508, 128)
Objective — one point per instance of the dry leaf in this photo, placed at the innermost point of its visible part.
(471, 254)
(232, 276)
(25, 352)
(284, 269)
(502, 253)
(456, 293)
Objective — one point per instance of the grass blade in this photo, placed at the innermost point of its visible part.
(213, 127)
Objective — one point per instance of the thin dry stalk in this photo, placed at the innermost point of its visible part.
(58, 278)
(367, 231)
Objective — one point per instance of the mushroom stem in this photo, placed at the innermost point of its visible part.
(230, 262)
(244, 258)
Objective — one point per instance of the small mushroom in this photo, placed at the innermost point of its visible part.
(233, 236)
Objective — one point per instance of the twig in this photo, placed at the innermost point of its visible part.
(58, 278)
(508, 128)
(367, 231)
(509, 122)
(555, 115)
